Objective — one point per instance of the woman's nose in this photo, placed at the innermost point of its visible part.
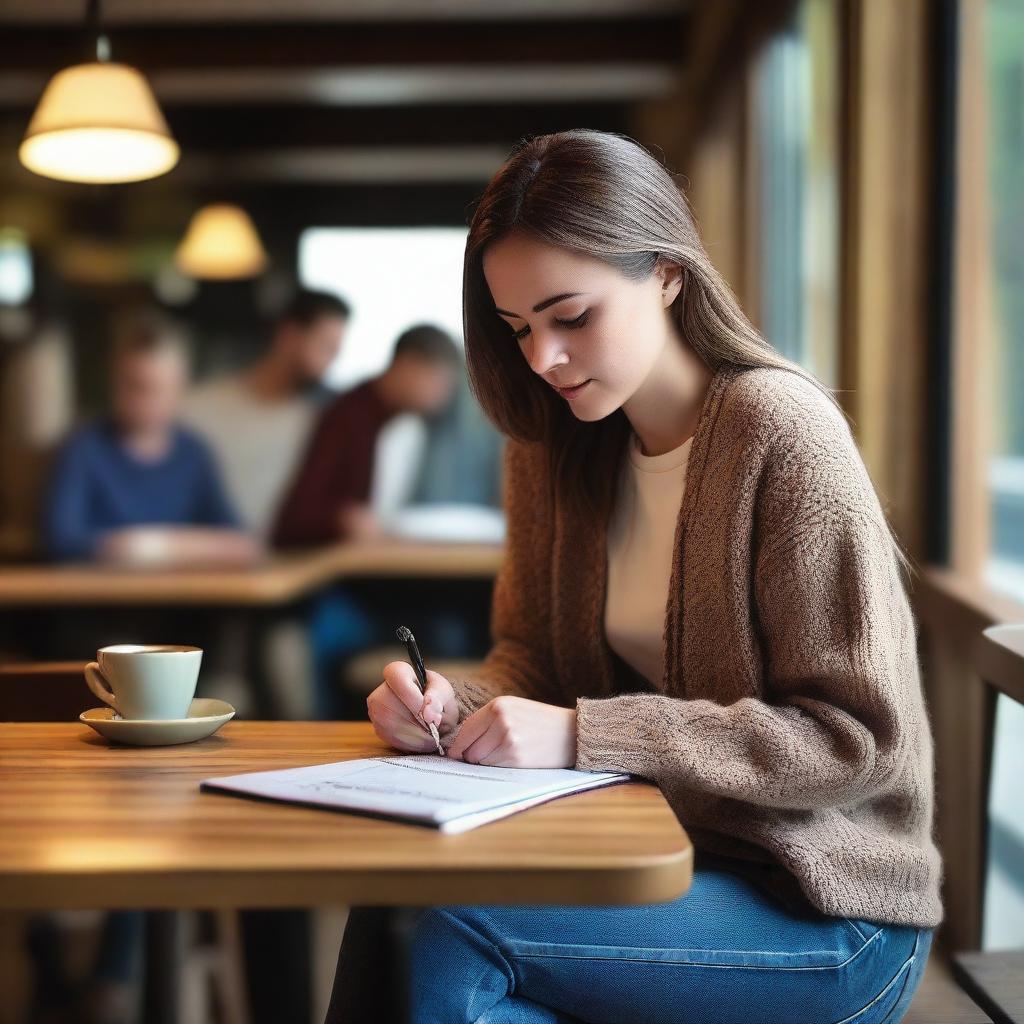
(544, 351)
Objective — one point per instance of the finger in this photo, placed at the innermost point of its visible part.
(397, 725)
(483, 747)
(430, 711)
(445, 719)
(472, 729)
(382, 702)
(401, 680)
(385, 697)
(437, 683)
(439, 701)
(400, 719)
(400, 731)
(500, 757)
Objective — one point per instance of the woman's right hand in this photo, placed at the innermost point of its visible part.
(396, 705)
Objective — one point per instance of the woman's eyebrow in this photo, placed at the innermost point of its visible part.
(541, 306)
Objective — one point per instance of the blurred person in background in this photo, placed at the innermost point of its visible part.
(36, 409)
(329, 498)
(461, 462)
(259, 420)
(135, 486)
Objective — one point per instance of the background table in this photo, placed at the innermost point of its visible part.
(96, 602)
(278, 580)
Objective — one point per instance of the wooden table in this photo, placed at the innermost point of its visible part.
(87, 825)
(279, 580)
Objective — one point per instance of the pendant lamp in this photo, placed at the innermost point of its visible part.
(221, 243)
(98, 122)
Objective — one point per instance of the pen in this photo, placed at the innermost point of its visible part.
(405, 635)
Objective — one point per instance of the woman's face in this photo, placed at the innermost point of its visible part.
(588, 331)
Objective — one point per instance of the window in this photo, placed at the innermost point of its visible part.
(393, 278)
(1002, 38)
(989, 375)
(15, 267)
(796, 113)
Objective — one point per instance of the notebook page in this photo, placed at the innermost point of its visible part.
(425, 787)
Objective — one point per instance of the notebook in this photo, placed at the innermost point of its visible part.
(425, 789)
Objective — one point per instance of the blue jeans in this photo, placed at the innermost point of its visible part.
(725, 953)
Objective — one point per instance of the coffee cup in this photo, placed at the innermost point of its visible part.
(145, 681)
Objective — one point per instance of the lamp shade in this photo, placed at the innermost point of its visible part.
(221, 242)
(98, 123)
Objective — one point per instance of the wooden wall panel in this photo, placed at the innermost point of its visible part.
(886, 250)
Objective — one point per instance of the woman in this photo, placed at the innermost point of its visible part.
(701, 589)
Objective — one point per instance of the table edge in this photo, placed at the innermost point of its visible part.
(662, 878)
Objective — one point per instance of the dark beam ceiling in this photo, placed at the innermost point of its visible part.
(234, 129)
(647, 39)
(280, 153)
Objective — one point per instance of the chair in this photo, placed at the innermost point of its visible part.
(995, 979)
(939, 1000)
(50, 691)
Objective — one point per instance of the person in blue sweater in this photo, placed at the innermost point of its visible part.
(136, 486)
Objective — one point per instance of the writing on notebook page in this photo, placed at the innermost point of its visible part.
(426, 788)
(427, 779)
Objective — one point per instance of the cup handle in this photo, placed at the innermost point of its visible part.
(98, 685)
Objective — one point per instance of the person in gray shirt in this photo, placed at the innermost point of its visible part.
(258, 420)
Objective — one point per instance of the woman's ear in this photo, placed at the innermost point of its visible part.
(671, 275)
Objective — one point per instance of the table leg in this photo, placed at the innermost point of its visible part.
(400, 923)
(164, 958)
(256, 625)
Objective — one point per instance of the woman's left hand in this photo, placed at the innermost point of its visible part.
(513, 732)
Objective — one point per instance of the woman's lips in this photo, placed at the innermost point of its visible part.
(570, 393)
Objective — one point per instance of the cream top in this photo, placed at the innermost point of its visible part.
(641, 542)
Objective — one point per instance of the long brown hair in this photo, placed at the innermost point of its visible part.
(606, 197)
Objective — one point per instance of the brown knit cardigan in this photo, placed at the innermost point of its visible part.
(789, 729)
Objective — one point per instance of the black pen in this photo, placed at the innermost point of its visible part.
(405, 635)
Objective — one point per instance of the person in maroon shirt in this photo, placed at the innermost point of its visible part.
(328, 499)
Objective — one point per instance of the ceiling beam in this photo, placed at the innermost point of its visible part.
(383, 86)
(134, 12)
(345, 165)
(226, 131)
(560, 41)
(254, 128)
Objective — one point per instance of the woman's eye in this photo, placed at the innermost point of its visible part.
(575, 322)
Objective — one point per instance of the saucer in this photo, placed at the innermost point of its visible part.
(205, 717)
